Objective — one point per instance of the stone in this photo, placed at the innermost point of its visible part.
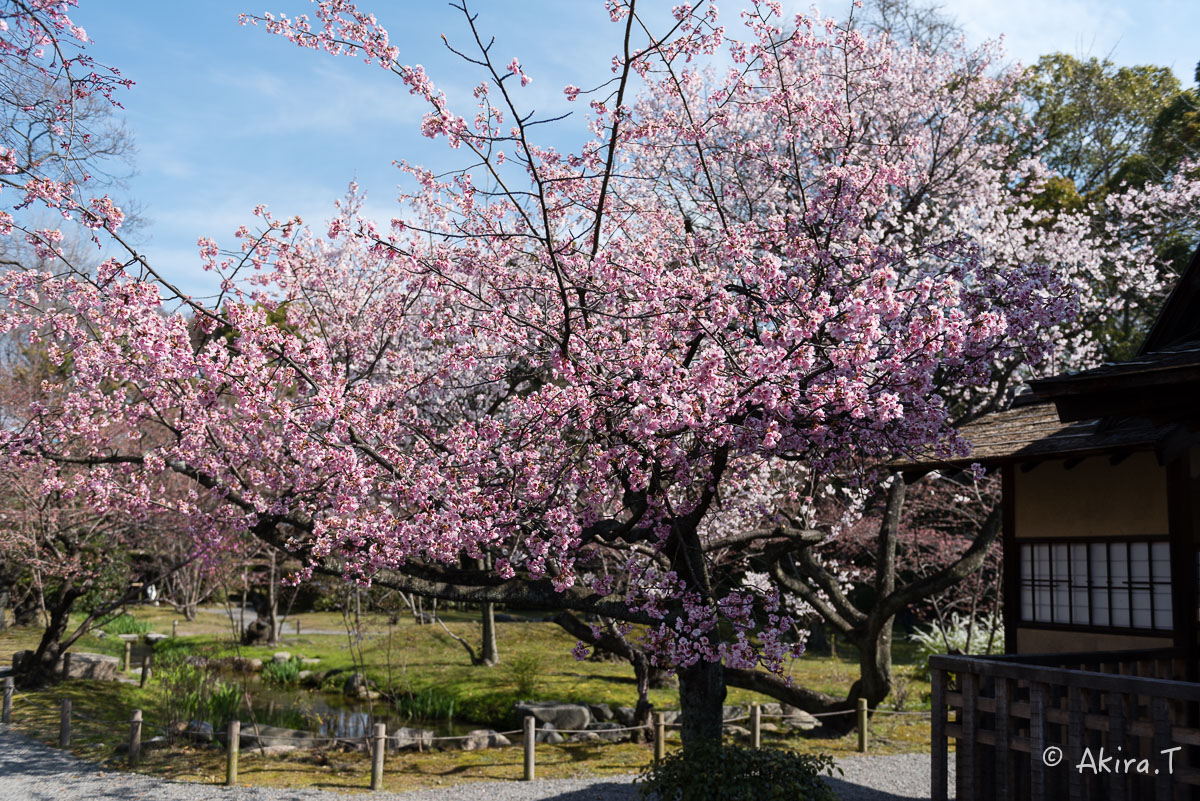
(83, 665)
(277, 750)
(771, 727)
(246, 665)
(731, 712)
(772, 709)
(281, 657)
(670, 716)
(257, 633)
(404, 739)
(310, 662)
(303, 676)
(153, 637)
(128, 637)
(547, 734)
(624, 715)
(602, 712)
(801, 720)
(268, 736)
(604, 731)
(479, 739)
(735, 731)
(99, 634)
(584, 737)
(200, 731)
(561, 716)
(356, 684)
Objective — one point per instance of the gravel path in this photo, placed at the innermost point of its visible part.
(30, 771)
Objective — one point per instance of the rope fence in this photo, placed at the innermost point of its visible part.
(376, 743)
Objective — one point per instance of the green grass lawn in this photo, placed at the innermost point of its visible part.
(407, 657)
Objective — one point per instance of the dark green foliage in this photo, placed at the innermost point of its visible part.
(282, 674)
(126, 624)
(733, 773)
(427, 705)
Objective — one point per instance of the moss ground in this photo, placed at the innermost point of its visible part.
(415, 658)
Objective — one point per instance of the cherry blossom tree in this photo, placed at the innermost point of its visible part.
(614, 375)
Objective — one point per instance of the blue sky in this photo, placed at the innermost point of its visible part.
(227, 117)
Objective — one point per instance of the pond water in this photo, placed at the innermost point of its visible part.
(331, 715)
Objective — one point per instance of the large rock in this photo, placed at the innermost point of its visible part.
(484, 738)
(602, 712)
(257, 633)
(404, 739)
(547, 734)
(153, 637)
(129, 637)
(731, 712)
(624, 715)
(772, 709)
(274, 736)
(281, 657)
(246, 665)
(360, 687)
(83, 665)
(200, 731)
(605, 731)
(735, 731)
(561, 716)
(801, 720)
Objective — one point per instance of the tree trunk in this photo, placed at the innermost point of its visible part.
(4, 609)
(490, 653)
(644, 709)
(273, 601)
(701, 698)
(875, 664)
(38, 670)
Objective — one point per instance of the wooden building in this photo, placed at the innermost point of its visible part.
(1101, 494)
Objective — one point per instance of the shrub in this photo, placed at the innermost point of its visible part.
(282, 674)
(430, 704)
(126, 623)
(933, 641)
(523, 671)
(188, 692)
(734, 773)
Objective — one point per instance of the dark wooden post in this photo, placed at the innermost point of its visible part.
(939, 763)
(64, 724)
(147, 660)
(135, 738)
(377, 756)
(1004, 692)
(1116, 743)
(6, 712)
(756, 726)
(530, 738)
(1075, 741)
(968, 752)
(232, 744)
(1037, 741)
(1160, 713)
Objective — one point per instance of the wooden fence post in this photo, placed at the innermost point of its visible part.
(862, 725)
(756, 726)
(530, 740)
(128, 654)
(297, 627)
(233, 738)
(377, 756)
(660, 738)
(64, 724)
(939, 761)
(147, 660)
(174, 628)
(135, 738)
(6, 715)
